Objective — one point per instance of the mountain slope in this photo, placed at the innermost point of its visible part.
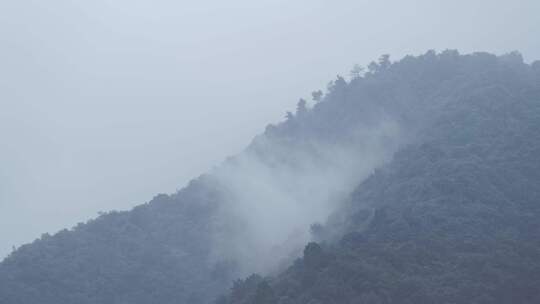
(452, 219)
(463, 182)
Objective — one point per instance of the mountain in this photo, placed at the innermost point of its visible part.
(453, 218)
(415, 182)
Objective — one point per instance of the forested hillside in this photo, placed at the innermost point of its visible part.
(453, 218)
(414, 182)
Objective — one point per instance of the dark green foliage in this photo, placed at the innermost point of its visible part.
(301, 108)
(156, 253)
(314, 257)
(453, 218)
(317, 95)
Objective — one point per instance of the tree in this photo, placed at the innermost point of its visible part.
(317, 95)
(313, 255)
(356, 71)
(301, 108)
(384, 62)
(340, 82)
(289, 115)
(536, 66)
(373, 67)
(337, 84)
(317, 231)
(264, 294)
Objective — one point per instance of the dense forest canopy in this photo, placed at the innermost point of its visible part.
(416, 181)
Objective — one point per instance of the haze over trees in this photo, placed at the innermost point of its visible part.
(417, 181)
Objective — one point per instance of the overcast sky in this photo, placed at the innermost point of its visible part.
(105, 103)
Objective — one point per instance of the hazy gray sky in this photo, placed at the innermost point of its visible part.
(105, 103)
